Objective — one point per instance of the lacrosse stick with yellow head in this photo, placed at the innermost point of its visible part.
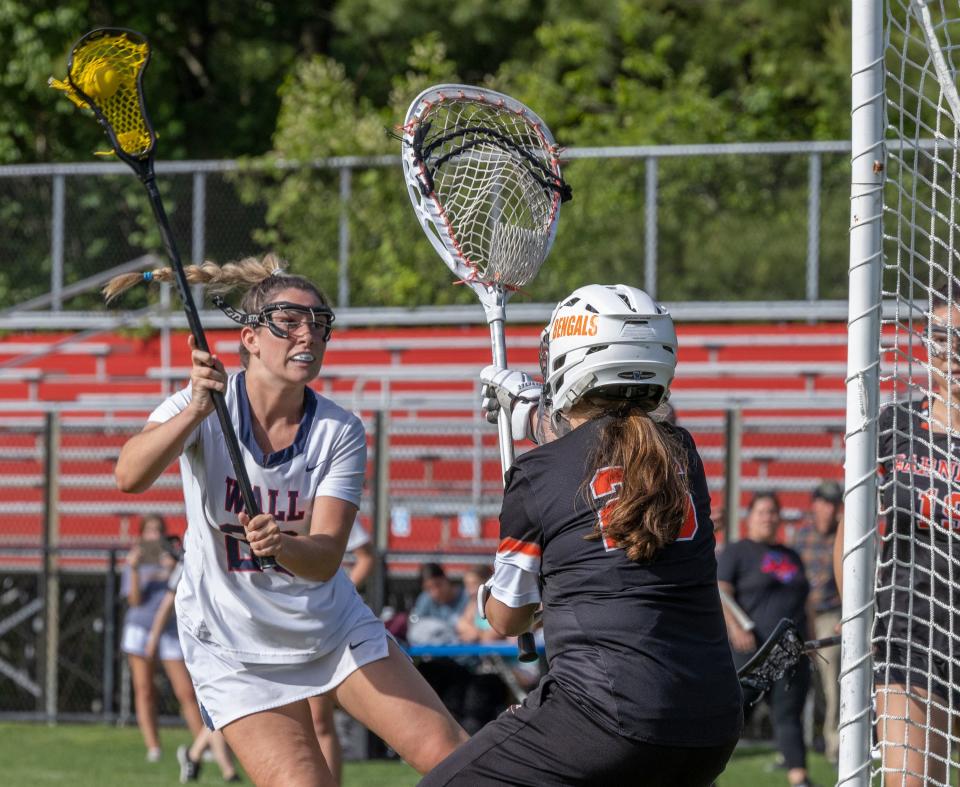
(105, 75)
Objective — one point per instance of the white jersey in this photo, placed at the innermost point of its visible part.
(223, 599)
(358, 536)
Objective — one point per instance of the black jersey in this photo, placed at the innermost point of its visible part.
(769, 584)
(643, 647)
(918, 578)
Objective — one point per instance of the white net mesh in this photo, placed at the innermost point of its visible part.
(917, 629)
(496, 183)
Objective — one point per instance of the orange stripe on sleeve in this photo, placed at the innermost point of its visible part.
(516, 545)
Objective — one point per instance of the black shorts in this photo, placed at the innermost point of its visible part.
(916, 669)
(551, 740)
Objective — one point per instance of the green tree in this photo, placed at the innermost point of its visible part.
(211, 84)
(295, 80)
(601, 74)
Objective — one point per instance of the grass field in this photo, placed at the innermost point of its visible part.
(99, 756)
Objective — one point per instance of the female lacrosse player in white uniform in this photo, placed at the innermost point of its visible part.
(607, 524)
(259, 643)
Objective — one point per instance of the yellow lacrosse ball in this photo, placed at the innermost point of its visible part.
(101, 82)
(132, 142)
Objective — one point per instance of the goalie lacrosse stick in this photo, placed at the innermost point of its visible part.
(483, 174)
(778, 655)
(105, 75)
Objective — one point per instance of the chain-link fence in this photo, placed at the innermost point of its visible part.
(734, 222)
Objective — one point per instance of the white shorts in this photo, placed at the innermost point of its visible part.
(134, 643)
(228, 689)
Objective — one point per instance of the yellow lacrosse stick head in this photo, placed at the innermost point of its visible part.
(104, 74)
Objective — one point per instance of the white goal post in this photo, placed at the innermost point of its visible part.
(900, 665)
(866, 187)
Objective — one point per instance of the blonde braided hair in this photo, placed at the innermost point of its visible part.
(262, 277)
(217, 278)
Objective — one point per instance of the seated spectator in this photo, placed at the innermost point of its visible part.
(472, 698)
(433, 619)
(470, 626)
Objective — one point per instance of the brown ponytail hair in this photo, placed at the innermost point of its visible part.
(263, 278)
(654, 494)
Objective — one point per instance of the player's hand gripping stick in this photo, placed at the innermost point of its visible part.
(104, 74)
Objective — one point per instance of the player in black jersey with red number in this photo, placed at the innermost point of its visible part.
(917, 627)
(607, 524)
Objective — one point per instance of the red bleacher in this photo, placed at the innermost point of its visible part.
(427, 378)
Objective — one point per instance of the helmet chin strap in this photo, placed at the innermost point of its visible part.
(575, 394)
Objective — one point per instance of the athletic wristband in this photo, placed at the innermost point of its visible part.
(483, 593)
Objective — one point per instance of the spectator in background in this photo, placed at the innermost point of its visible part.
(433, 619)
(767, 580)
(364, 555)
(473, 699)
(470, 626)
(815, 545)
(189, 757)
(144, 583)
(473, 628)
(323, 705)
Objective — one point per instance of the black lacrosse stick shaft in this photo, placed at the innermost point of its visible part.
(527, 647)
(193, 320)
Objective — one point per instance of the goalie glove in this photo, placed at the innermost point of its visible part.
(515, 390)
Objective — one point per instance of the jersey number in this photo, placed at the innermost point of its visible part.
(606, 484)
(233, 537)
(949, 510)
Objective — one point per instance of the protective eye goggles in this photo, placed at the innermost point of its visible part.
(943, 342)
(284, 319)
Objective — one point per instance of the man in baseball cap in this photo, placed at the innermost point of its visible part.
(831, 491)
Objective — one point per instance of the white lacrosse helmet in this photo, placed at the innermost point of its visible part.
(611, 340)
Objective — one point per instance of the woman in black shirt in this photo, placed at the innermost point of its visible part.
(768, 582)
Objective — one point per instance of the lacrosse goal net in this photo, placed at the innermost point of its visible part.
(913, 678)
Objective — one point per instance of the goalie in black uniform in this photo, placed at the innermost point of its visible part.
(916, 638)
(607, 524)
